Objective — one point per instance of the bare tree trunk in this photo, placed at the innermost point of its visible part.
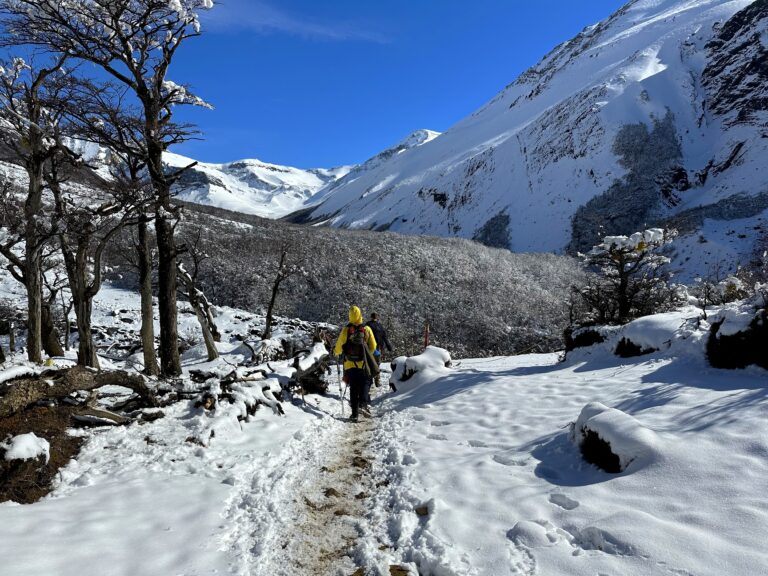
(66, 309)
(34, 311)
(204, 316)
(12, 338)
(33, 263)
(2, 356)
(147, 312)
(275, 289)
(86, 351)
(210, 344)
(50, 335)
(623, 297)
(34, 286)
(170, 362)
(270, 310)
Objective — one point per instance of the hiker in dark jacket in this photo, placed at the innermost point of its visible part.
(380, 334)
(356, 373)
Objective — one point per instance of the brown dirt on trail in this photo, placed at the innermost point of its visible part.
(329, 526)
(27, 481)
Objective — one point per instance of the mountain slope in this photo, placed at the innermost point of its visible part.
(269, 190)
(250, 186)
(655, 113)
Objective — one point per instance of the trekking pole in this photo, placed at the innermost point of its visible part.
(341, 394)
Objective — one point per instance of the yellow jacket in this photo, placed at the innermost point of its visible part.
(356, 318)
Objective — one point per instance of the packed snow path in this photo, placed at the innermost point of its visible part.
(316, 493)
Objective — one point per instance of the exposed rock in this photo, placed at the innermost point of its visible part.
(736, 76)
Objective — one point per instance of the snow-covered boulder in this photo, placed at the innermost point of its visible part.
(26, 447)
(613, 440)
(738, 337)
(433, 359)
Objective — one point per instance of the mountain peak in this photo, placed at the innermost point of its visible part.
(418, 138)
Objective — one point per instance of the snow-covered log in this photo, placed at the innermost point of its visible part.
(310, 367)
(23, 392)
(612, 439)
(95, 417)
(433, 358)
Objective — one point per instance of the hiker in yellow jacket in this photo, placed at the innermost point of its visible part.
(353, 340)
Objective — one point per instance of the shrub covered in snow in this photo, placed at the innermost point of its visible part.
(582, 338)
(612, 439)
(630, 279)
(479, 301)
(648, 334)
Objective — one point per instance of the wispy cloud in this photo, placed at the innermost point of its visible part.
(263, 17)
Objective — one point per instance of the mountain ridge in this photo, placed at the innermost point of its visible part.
(269, 190)
(569, 151)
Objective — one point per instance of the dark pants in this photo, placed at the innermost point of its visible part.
(358, 386)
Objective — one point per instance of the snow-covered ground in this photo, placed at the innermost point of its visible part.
(465, 470)
(487, 446)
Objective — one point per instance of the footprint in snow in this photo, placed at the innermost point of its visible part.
(477, 444)
(508, 460)
(437, 436)
(563, 501)
(439, 423)
(535, 534)
(418, 418)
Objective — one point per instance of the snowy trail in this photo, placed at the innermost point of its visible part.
(303, 512)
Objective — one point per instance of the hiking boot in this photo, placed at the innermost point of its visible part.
(392, 387)
(365, 411)
(353, 418)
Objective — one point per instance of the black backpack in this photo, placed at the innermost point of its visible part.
(354, 347)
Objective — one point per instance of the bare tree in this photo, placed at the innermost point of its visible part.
(285, 269)
(200, 304)
(105, 116)
(86, 229)
(135, 41)
(30, 107)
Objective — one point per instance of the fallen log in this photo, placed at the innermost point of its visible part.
(95, 417)
(17, 394)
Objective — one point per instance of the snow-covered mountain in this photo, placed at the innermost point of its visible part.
(414, 140)
(250, 186)
(659, 113)
(270, 190)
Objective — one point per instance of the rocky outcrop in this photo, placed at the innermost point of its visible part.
(736, 77)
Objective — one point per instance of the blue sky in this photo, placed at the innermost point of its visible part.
(313, 83)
